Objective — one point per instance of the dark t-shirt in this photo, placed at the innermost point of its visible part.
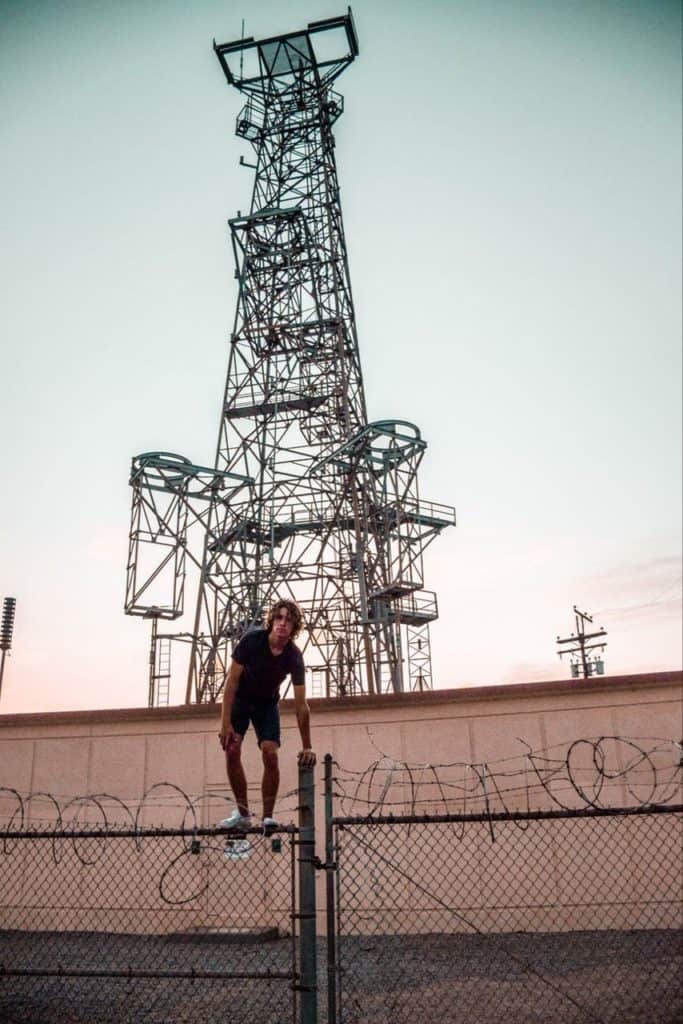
(263, 670)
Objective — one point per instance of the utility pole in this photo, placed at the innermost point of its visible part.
(6, 629)
(581, 663)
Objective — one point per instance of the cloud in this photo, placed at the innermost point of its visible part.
(652, 589)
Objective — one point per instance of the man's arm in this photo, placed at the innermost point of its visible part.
(303, 720)
(229, 691)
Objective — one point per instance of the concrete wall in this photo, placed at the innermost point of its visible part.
(468, 749)
(126, 752)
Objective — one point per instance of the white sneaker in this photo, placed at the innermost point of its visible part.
(237, 849)
(236, 820)
(270, 825)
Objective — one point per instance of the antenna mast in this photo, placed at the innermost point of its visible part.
(327, 510)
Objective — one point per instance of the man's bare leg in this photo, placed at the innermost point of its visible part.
(271, 776)
(236, 776)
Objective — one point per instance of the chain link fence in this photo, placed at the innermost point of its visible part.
(552, 916)
(438, 900)
(153, 925)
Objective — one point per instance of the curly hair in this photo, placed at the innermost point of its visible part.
(293, 609)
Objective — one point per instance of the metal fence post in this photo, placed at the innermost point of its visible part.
(330, 897)
(307, 908)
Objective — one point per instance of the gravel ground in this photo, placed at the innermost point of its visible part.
(519, 978)
(621, 977)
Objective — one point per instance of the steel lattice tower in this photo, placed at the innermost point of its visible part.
(321, 505)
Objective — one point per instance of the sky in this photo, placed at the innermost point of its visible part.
(511, 188)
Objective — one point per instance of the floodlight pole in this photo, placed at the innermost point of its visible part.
(6, 629)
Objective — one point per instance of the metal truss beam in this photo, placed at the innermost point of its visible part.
(324, 505)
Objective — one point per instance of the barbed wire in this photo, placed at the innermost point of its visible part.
(598, 772)
(592, 772)
(87, 825)
(71, 811)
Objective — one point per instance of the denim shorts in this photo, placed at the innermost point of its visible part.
(264, 715)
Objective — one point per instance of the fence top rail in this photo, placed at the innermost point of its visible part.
(579, 812)
(137, 833)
